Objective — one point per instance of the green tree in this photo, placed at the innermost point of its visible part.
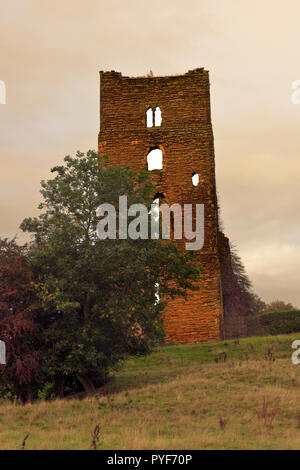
(100, 296)
(279, 306)
(252, 302)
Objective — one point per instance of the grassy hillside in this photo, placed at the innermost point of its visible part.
(226, 395)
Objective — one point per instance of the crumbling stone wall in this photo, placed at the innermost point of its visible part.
(186, 140)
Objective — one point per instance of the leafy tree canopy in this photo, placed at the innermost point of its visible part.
(279, 306)
(100, 296)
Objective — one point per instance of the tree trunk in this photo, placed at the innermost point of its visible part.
(87, 384)
(26, 394)
(59, 386)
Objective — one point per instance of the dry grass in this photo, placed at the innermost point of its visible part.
(237, 404)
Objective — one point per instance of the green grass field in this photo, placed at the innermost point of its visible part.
(179, 397)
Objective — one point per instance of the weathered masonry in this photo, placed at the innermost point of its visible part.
(163, 124)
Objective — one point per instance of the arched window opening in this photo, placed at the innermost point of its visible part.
(155, 159)
(159, 196)
(154, 212)
(157, 117)
(195, 179)
(155, 209)
(149, 117)
(156, 295)
(158, 199)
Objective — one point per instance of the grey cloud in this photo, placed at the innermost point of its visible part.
(51, 53)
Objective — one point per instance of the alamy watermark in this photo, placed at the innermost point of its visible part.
(295, 356)
(296, 93)
(184, 219)
(2, 92)
(2, 352)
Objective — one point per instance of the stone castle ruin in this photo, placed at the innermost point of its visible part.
(170, 117)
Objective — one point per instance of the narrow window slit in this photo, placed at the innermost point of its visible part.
(195, 179)
(149, 117)
(157, 117)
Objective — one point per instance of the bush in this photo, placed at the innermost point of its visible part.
(285, 322)
(254, 325)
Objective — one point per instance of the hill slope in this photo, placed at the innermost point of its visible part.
(179, 397)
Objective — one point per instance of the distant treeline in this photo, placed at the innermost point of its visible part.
(275, 323)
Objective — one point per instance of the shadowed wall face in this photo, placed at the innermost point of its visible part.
(185, 139)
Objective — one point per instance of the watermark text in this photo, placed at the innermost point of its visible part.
(2, 352)
(296, 93)
(187, 222)
(2, 92)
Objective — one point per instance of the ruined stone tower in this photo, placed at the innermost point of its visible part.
(184, 136)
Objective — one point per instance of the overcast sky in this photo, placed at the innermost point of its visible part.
(50, 56)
